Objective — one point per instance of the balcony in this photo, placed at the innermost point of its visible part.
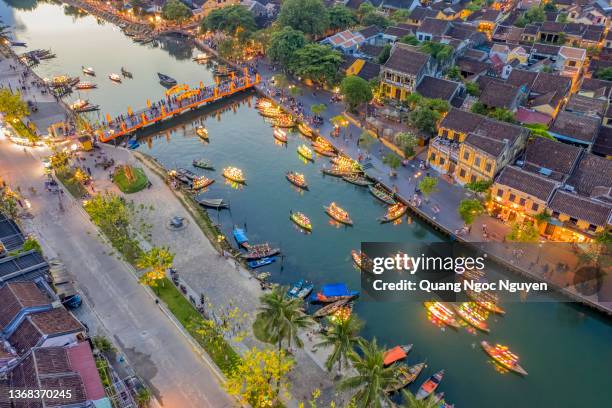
(449, 147)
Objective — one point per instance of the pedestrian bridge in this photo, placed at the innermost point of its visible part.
(178, 100)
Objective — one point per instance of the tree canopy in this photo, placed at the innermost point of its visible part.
(174, 10)
(604, 73)
(356, 91)
(341, 17)
(384, 54)
(235, 20)
(375, 18)
(440, 52)
(469, 209)
(316, 62)
(12, 106)
(308, 16)
(284, 43)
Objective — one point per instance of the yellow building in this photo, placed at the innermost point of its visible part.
(403, 71)
(576, 218)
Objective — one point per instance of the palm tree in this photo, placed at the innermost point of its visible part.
(343, 336)
(372, 376)
(410, 401)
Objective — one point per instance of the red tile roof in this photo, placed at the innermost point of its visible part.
(82, 361)
(529, 183)
(16, 296)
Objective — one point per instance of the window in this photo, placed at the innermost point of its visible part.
(466, 155)
(592, 227)
(512, 197)
(555, 214)
(573, 221)
(441, 161)
(488, 167)
(522, 202)
(571, 63)
(473, 178)
(444, 132)
(477, 161)
(535, 207)
(462, 173)
(500, 192)
(433, 157)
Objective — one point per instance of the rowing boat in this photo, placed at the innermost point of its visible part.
(202, 132)
(381, 193)
(115, 78)
(331, 308)
(301, 220)
(338, 214)
(471, 316)
(203, 164)
(357, 179)
(504, 357)
(217, 203)
(442, 313)
(396, 354)
(305, 152)
(260, 251)
(85, 85)
(394, 212)
(89, 71)
(201, 57)
(283, 121)
(190, 175)
(201, 182)
(297, 179)
(293, 291)
(234, 174)
(305, 130)
(406, 375)
(126, 73)
(486, 299)
(324, 152)
(166, 80)
(270, 112)
(261, 262)
(430, 385)
(333, 292)
(335, 172)
(280, 135)
(240, 236)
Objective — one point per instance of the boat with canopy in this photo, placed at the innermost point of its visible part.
(503, 356)
(396, 354)
(260, 251)
(394, 212)
(297, 179)
(240, 236)
(338, 213)
(301, 220)
(305, 130)
(442, 313)
(234, 174)
(333, 292)
(202, 132)
(405, 376)
(280, 135)
(469, 312)
(357, 179)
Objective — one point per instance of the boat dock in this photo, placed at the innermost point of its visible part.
(178, 100)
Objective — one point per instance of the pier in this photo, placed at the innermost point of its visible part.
(178, 100)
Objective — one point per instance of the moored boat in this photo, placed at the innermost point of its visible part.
(470, 315)
(88, 108)
(297, 179)
(126, 73)
(396, 354)
(406, 375)
(217, 203)
(430, 385)
(201, 57)
(188, 174)
(336, 172)
(338, 214)
(203, 164)
(333, 292)
(85, 85)
(324, 152)
(356, 255)
(305, 130)
(240, 236)
(166, 80)
(202, 132)
(357, 179)
(442, 313)
(258, 263)
(78, 104)
(305, 152)
(88, 71)
(381, 193)
(301, 220)
(331, 308)
(280, 135)
(234, 174)
(394, 212)
(283, 121)
(271, 111)
(487, 300)
(305, 290)
(293, 291)
(114, 78)
(199, 183)
(260, 251)
(503, 356)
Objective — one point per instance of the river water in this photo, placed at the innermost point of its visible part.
(566, 349)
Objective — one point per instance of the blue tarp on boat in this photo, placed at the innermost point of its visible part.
(336, 289)
(240, 235)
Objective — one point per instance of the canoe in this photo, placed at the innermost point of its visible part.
(305, 152)
(406, 375)
(430, 385)
(338, 214)
(88, 108)
(305, 130)
(394, 212)
(333, 292)
(203, 164)
(442, 313)
(240, 236)
(381, 193)
(356, 255)
(280, 135)
(331, 308)
(260, 251)
(115, 78)
(297, 179)
(261, 262)
(356, 179)
(305, 291)
(165, 79)
(334, 172)
(201, 182)
(397, 353)
(212, 203)
(270, 112)
(283, 121)
(301, 220)
(324, 152)
(234, 174)
(202, 132)
(503, 356)
(471, 317)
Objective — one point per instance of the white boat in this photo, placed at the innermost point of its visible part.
(114, 77)
(201, 57)
(89, 71)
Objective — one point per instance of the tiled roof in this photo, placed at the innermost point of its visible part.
(486, 144)
(603, 143)
(370, 31)
(475, 54)
(370, 50)
(421, 13)
(434, 26)
(498, 94)
(5, 401)
(346, 39)
(547, 82)
(576, 126)
(592, 171)
(581, 208)
(520, 77)
(545, 49)
(552, 26)
(529, 183)
(16, 296)
(559, 158)
(431, 87)
(398, 32)
(572, 52)
(406, 59)
(529, 116)
(586, 105)
(599, 87)
(369, 70)
(461, 121)
(531, 29)
(472, 66)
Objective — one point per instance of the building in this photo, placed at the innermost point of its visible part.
(575, 218)
(28, 265)
(17, 300)
(575, 128)
(570, 61)
(403, 71)
(347, 41)
(438, 88)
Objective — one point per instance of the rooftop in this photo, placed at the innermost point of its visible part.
(437, 88)
(406, 59)
(581, 208)
(551, 158)
(576, 126)
(592, 171)
(585, 105)
(16, 296)
(529, 183)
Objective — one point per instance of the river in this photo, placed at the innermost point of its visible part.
(565, 348)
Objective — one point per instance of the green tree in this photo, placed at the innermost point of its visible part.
(384, 54)
(356, 91)
(372, 376)
(604, 73)
(343, 336)
(400, 16)
(375, 18)
(472, 88)
(454, 73)
(479, 186)
(155, 262)
(479, 108)
(409, 39)
(366, 140)
(523, 232)
(143, 398)
(309, 16)
(31, 244)
(318, 108)
(174, 10)
(407, 142)
(469, 209)
(539, 130)
(234, 20)
(503, 115)
(440, 52)
(8, 203)
(284, 43)
(533, 15)
(12, 106)
(392, 160)
(428, 185)
(364, 9)
(316, 62)
(410, 401)
(341, 17)
(424, 119)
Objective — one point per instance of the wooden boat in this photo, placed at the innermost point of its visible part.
(260, 251)
(381, 193)
(394, 212)
(78, 104)
(305, 152)
(270, 112)
(88, 108)
(430, 385)
(166, 80)
(283, 121)
(356, 255)
(201, 57)
(487, 300)
(217, 203)
(335, 172)
(345, 162)
(471, 316)
(396, 354)
(234, 174)
(442, 313)
(333, 292)
(241, 237)
(293, 291)
(85, 85)
(301, 220)
(406, 375)
(258, 263)
(331, 308)
(503, 356)
(203, 164)
(297, 179)
(280, 135)
(305, 130)
(88, 71)
(324, 152)
(305, 290)
(63, 81)
(338, 214)
(357, 179)
(202, 132)
(201, 182)
(188, 174)
(126, 73)
(115, 78)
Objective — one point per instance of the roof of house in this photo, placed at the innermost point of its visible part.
(599, 87)
(529, 116)
(346, 39)
(370, 31)
(431, 87)
(434, 26)
(5, 387)
(497, 94)
(489, 145)
(576, 126)
(82, 361)
(406, 59)
(461, 121)
(592, 171)
(545, 49)
(472, 66)
(509, 34)
(573, 53)
(549, 156)
(581, 208)
(586, 105)
(529, 183)
(369, 70)
(475, 54)
(420, 13)
(370, 50)
(603, 143)
(50, 323)
(398, 32)
(531, 29)
(16, 296)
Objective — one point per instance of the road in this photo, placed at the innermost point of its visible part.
(161, 355)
